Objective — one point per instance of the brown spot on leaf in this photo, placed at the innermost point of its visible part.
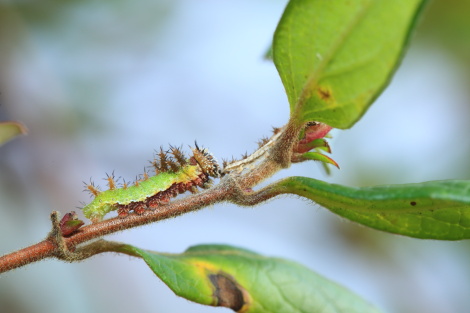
(413, 203)
(324, 93)
(227, 292)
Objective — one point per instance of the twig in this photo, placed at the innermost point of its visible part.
(234, 187)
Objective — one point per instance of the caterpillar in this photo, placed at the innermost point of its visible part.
(174, 174)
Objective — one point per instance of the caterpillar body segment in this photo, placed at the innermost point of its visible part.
(176, 175)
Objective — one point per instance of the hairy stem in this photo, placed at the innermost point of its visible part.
(36, 252)
(233, 187)
(64, 248)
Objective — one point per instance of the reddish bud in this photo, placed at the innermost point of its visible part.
(70, 224)
(315, 131)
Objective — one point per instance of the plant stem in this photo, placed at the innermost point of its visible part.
(48, 248)
(233, 187)
(36, 252)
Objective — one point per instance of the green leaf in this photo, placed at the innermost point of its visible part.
(245, 281)
(9, 130)
(430, 210)
(316, 156)
(335, 57)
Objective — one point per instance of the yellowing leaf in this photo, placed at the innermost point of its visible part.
(220, 275)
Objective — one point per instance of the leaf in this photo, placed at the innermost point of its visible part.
(220, 275)
(335, 57)
(429, 210)
(316, 156)
(9, 130)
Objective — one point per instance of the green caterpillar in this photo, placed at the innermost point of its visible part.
(174, 174)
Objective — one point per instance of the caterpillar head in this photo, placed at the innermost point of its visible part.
(206, 161)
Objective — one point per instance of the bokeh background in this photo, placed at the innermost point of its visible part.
(101, 84)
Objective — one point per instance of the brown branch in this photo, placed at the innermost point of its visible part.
(50, 247)
(175, 208)
(233, 187)
(36, 252)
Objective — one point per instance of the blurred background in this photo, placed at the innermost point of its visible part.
(101, 84)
